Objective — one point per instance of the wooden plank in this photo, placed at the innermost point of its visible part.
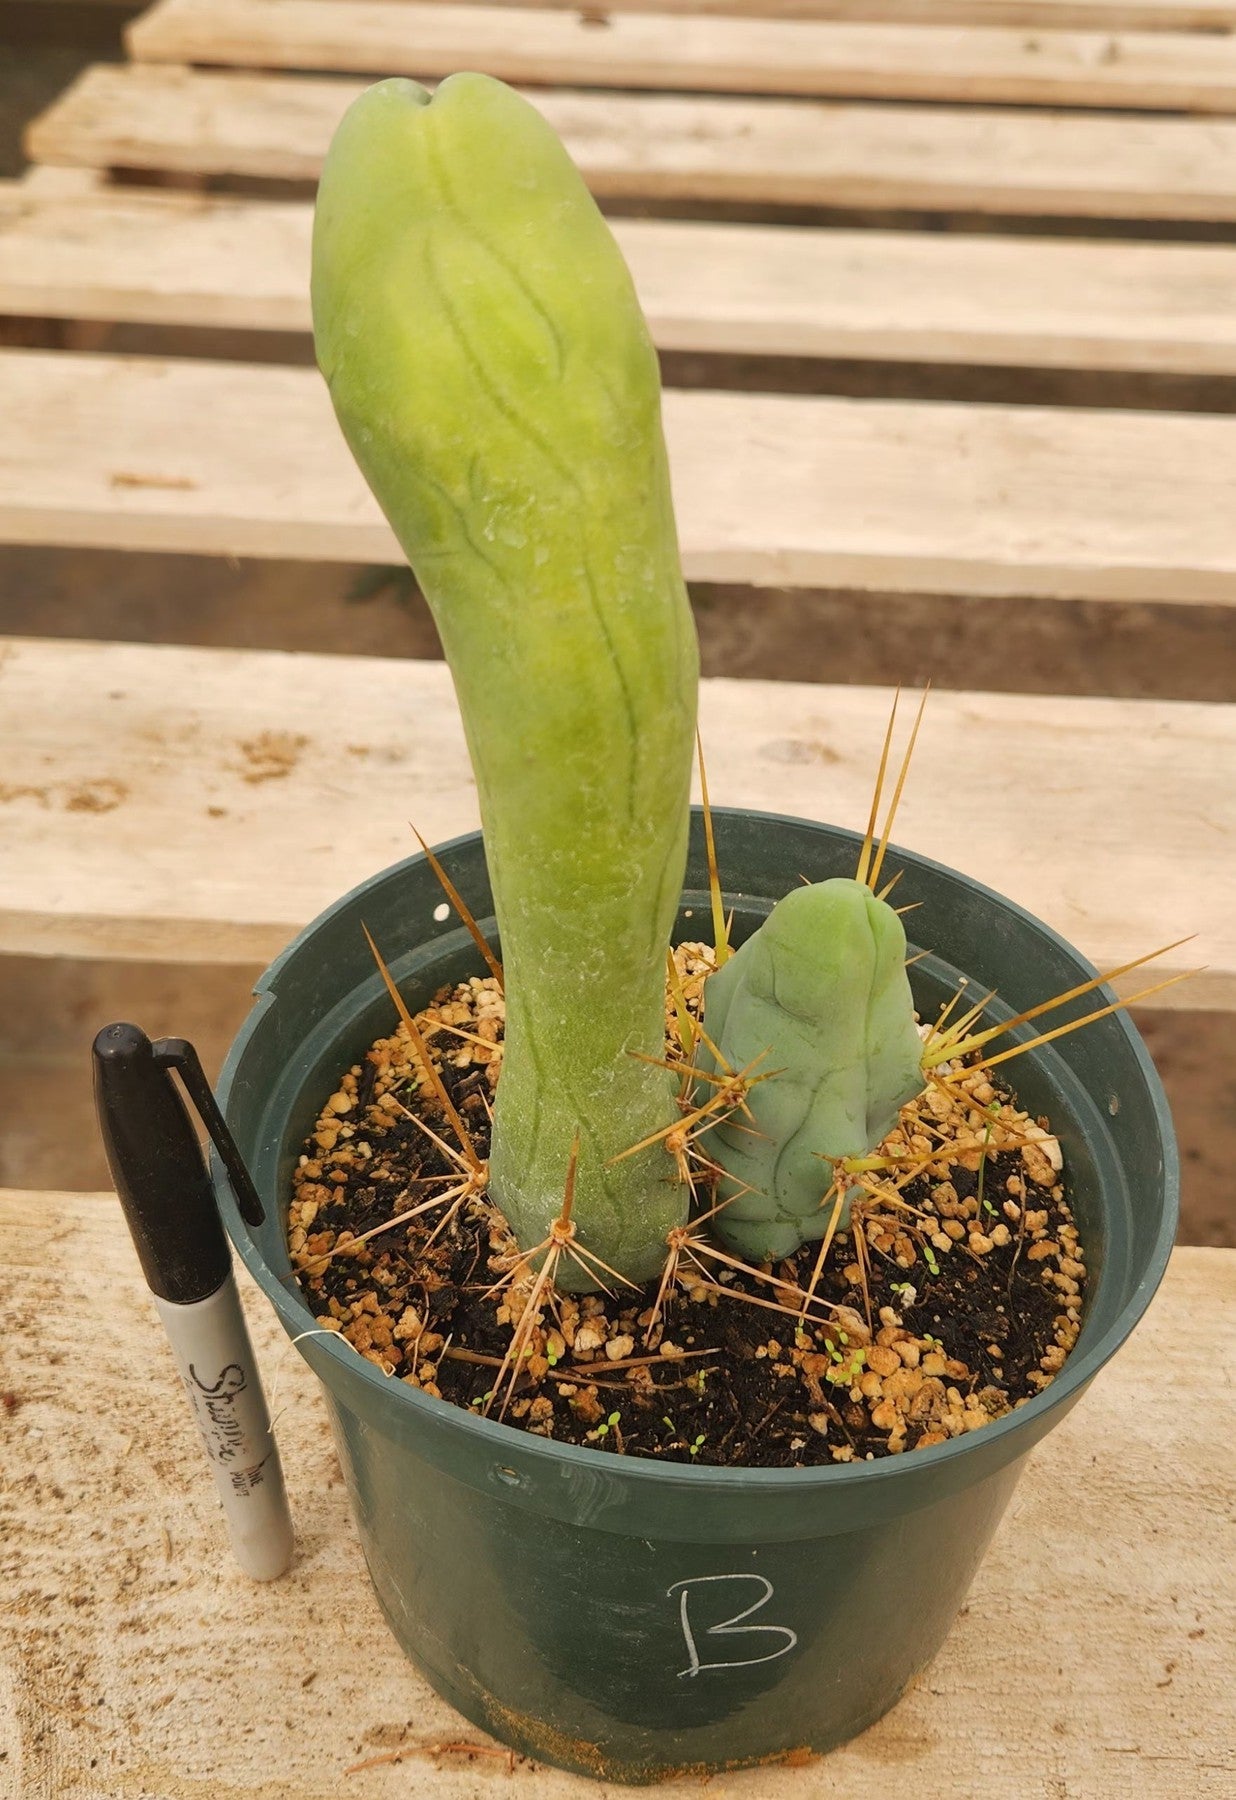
(1081, 15)
(46, 182)
(1086, 15)
(1079, 1665)
(246, 460)
(161, 803)
(199, 260)
(153, 258)
(680, 148)
(1174, 72)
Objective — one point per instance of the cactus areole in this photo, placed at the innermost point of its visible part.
(494, 378)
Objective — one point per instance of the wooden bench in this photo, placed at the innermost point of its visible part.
(1021, 189)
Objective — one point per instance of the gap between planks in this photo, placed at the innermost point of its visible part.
(201, 805)
(1174, 72)
(212, 261)
(220, 458)
(683, 148)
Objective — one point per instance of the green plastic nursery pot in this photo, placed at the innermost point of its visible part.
(633, 1620)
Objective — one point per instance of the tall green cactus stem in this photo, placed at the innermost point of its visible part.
(493, 375)
(820, 995)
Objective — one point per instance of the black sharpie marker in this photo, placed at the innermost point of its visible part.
(169, 1205)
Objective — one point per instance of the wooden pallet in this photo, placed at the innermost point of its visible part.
(1055, 188)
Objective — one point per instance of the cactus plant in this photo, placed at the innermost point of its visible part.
(492, 372)
(820, 995)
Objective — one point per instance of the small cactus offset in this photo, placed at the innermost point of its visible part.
(819, 1000)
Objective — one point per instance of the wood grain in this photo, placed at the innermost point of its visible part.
(216, 261)
(1093, 1655)
(1100, 15)
(161, 803)
(1175, 72)
(246, 460)
(680, 148)
(1114, 15)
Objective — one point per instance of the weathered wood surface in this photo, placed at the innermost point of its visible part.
(246, 460)
(218, 261)
(1174, 72)
(1083, 15)
(669, 147)
(1094, 1655)
(160, 803)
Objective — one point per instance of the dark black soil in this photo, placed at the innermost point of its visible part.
(930, 1317)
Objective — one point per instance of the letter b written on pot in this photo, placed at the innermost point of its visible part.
(717, 1614)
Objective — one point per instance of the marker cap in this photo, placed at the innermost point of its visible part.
(158, 1168)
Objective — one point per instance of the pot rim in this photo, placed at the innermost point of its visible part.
(499, 1440)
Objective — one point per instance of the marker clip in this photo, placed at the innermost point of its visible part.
(178, 1053)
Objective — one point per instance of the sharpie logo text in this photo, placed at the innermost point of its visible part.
(217, 1402)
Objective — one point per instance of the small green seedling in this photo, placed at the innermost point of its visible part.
(984, 1204)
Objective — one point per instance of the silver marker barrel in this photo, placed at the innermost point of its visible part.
(210, 1342)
